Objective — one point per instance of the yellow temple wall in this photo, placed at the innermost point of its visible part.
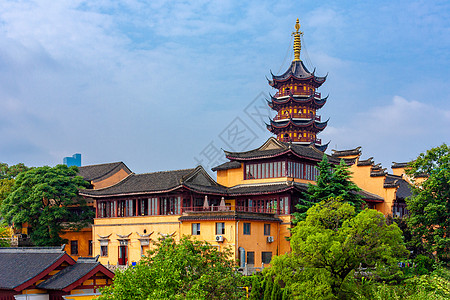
(284, 232)
(208, 233)
(231, 177)
(398, 171)
(111, 180)
(257, 242)
(375, 185)
(130, 226)
(83, 237)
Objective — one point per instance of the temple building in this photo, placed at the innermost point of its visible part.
(248, 209)
(297, 101)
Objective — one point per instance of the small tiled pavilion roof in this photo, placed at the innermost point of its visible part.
(23, 267)
(75, 275)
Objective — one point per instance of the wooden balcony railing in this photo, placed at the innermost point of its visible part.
(297, 116)
(302, 140)
(253, 209)
(303, 93)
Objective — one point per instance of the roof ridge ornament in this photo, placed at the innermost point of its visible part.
(297, 42)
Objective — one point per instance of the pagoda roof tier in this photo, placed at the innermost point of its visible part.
(312, 100)
(311, 125)
(273, 148)
(298, 72)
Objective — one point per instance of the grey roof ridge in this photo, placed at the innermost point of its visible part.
(103, 164)
(64, 272)
(57, 249)
(166, 171)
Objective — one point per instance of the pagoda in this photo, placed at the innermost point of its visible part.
(297, 101)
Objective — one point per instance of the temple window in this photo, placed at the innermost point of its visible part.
(220, 228)
(247, 228)
(195, 228)
(266, 229)
(266, 257)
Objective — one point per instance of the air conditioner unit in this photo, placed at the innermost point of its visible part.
(270, 239)
(219, 238)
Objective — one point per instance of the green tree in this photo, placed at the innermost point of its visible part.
(333, 181)
(7, 175)
(331, 244)
(429, 206)
(189, 269)
(47, 199)
(5, 235)
(257, 291)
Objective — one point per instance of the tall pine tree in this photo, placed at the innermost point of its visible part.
(332, 182)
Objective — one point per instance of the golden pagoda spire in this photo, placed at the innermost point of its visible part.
(297, 42)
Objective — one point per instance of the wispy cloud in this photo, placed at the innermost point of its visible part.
(396, 132)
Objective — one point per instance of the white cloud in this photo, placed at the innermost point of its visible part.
(396, 132)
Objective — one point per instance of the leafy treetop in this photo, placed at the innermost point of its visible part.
(429, 206)
(46, 198)
(333, 181)
(188, 269)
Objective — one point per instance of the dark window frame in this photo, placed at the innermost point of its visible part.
(195, 227)
(247, 229)
(266, 229)
(266, 257)
(220, 229)
(74, 247)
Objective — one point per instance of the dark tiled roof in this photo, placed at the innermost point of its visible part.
(349, 161)
(228, 165)
(142, 183)
(230, 215)
(19, 265)
(266, 188)
(273, 148)
(391, 180)
(404, 189)
(298, 70)
(377, 170)
(369, 196)
(196, 179)
(302, 99)
(367, 162)
(101, 171)
(68, 276)
(213, 189)
(399, 165)
(311, 124)
(341, 153)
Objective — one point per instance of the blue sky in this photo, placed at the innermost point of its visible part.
(162, 85)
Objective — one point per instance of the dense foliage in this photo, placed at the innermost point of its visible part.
(188, 269)
(7, 175)
(333, 181)
(331, 245)
(5, 235)
(45, 199)
(429, 207)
